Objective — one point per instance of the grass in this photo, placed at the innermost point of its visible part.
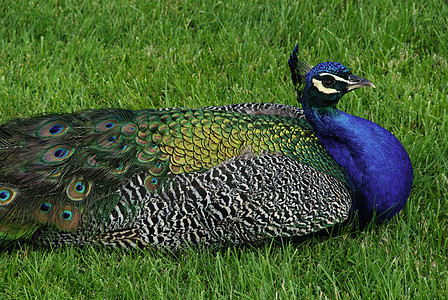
(65, 56)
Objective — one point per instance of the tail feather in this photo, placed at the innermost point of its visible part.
(68, 171)
(48, 165)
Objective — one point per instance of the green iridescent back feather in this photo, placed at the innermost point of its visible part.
(54, 168)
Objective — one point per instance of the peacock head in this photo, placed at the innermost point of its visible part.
(323, 85)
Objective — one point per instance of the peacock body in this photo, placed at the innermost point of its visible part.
(169, 177)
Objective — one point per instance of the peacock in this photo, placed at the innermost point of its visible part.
(219, 175)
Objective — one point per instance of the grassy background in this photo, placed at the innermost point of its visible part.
(65, 56)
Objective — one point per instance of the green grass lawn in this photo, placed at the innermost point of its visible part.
(66, 56)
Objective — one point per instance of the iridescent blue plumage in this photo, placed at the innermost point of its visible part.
(378, 168)
(335, 68)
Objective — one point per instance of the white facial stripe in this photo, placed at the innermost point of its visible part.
(337, 78)
(318, 84)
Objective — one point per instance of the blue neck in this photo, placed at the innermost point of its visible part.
(377, 166)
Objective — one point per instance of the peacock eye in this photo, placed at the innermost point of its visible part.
(328, 81)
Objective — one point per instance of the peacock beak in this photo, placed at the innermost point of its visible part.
(356, 82)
